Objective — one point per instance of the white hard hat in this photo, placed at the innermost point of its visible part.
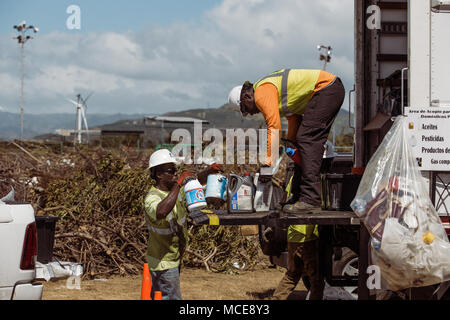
(234, 98)
(329, 150)
(161, 156)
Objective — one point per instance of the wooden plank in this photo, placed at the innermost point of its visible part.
(392, 57)
(243, 219)
(390, 5)
(377, 122)
(320, 218)
(261, 218)
(225, 218)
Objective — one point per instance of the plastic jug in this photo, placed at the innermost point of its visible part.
(263, 194)
(240, 194)
(216, 186)
(195, 196)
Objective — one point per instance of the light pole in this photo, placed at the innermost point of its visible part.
(21, 39)
(326, 57)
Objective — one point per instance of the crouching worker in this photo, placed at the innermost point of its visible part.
(165, 214)
(302, 263)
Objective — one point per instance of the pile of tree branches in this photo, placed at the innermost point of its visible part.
(98, 196)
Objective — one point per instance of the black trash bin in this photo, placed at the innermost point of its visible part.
(341, 190)
(45, 226)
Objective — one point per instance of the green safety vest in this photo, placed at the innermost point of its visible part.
(167, 237)
(300, 232)
(295, 88)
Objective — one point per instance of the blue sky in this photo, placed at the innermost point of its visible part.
(158, 56)
(101, 15)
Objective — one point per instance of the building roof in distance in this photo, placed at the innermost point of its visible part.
(176, 119)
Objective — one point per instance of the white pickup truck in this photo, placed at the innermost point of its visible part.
(18, 251)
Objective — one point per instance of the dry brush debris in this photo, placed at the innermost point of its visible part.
(98, 196)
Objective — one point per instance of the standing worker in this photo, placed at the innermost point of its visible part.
(302, 246)
(165, 214)
(317, 95)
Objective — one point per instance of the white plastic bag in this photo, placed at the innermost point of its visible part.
(409, 243)
(58, 270)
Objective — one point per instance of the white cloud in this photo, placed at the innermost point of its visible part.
(9, 84)
(67, 79)
(184, 65)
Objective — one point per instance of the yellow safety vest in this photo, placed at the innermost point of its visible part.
(168, 237)
(300, 233)
(295, 88)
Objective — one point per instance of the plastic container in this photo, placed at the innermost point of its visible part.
(240, 194)
(263, 194)
(195, 196)
(216, 186)
(45, 226)
(294, 155)
(340, 190)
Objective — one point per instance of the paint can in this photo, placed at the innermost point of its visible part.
(216, 186)
(195, 196)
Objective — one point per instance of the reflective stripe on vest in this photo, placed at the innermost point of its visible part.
(283, 92)
(172, 229)
(163, 232)
(160, 231)
(295, 88)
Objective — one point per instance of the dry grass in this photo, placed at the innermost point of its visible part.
(196, 284)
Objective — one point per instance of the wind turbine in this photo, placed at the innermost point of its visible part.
(80, 117)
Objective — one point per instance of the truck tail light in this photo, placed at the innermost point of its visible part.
(446, 223)
(29, 250)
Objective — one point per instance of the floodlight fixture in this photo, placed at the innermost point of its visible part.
(21, 39)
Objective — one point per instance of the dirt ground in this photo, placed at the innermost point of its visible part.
(196, 284)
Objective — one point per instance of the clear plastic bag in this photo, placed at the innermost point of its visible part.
(409, 243)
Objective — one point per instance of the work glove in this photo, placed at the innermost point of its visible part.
(183, 177)
(215, 168)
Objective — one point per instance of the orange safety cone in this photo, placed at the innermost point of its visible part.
(158, 295)
(146, 284)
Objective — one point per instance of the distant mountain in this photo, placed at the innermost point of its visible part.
(37, 124)
(222, 117)
(227, 117)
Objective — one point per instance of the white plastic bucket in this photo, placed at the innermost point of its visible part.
(195, 196)
(216, 186)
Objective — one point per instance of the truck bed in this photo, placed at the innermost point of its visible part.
(222, 217)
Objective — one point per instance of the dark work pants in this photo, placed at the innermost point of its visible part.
(312, 134)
